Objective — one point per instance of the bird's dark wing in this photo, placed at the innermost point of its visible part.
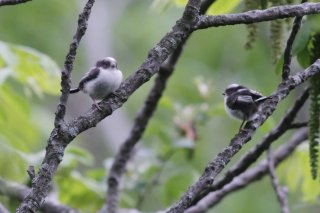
(239, 102)
(254, 94)
(91, 74)
(244, 99)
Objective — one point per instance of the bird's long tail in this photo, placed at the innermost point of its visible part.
(74, 90)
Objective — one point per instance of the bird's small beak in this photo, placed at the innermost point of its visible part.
(223, 94)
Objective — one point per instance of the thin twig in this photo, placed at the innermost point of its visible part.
(288, 50)
(31, 173)
(258, 150)
(217, 164)
(68, 64)
(254, 16)
(298, 125)
(281, 192)
(55, 148)
(12, 2)
(250, 175)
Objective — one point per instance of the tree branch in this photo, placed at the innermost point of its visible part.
(281, 192)
(254, 16)
(250, 175)
(298, 125)
(56, 145)
(68, 64)
(288, 50)
(215, 166)
(18, 192)
(12, 2)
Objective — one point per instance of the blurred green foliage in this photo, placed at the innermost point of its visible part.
(24, 72)
(189, 127)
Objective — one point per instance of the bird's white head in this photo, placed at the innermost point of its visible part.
(107, 63)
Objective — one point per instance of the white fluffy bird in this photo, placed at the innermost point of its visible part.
(101, 80)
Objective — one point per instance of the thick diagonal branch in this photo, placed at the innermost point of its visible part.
(254, 16)
(250, 175)
(215, 166)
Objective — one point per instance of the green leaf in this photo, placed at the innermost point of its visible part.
(82, 193)
(175, 185)
(32, 69)
(264, 4)
(279, 65)
(166, 103)
(296, 172)
(304, 57)
(75, 155)
(223, 6)
(161, 5)
(180, 3)
(16, 126)
(302, 39)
